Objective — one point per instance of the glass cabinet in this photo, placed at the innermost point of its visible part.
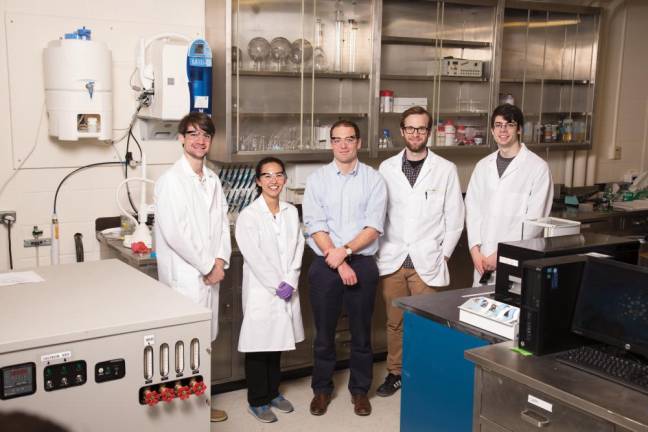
(285, 70)
(548, 68)
(296, 67)
(438, 54)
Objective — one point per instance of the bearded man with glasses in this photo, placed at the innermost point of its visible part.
(425, 218)
(506, 188)
(344, 211)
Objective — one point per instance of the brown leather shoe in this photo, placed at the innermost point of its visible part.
(320, 403)
(218, 415)
(361, 404)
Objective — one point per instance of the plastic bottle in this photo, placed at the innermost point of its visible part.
(440, 135)
(461, 135)
(387, 139)
(386, 100)
(449, 129)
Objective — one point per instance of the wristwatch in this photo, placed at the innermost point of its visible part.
(348, 251)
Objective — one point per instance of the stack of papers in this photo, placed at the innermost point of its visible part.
(491, 315)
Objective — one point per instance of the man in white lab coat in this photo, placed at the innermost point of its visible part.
(506, 188)
(192, 235)
(425, 217)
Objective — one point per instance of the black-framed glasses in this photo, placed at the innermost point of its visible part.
(270, 175)
(409, 130)
(348, 140)
(509, 125)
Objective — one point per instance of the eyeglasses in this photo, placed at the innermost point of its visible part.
(509, 125)
(419, 130)
(348, 140)
(193, 134)
(268, 175)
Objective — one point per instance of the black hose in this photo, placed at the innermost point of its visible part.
(76, 171)
(9, 236)
(78, 247)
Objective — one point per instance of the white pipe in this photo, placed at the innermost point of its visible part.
(580, 162)
(569, 169)
(590, 177)
(54, 249)
(619, 79)
(122, 209)
(143, 211)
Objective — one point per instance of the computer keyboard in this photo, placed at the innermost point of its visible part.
(610, 363)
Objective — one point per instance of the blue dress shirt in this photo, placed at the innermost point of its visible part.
(344, 204)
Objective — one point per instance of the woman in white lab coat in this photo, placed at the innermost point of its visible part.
(269, 236)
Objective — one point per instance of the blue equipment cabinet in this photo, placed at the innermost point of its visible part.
(199, 72)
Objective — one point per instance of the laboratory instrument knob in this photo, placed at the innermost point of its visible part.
(64, 381)
(198, 387)
(49, 384)
(183, 392)
(78, 378)
(151, 397)
(167, 394)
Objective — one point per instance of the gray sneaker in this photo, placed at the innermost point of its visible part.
(263, 413)
(282, 404)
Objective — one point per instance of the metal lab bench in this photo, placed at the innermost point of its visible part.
(437, 381)
(518, 393)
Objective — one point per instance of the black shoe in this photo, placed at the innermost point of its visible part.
(390, 386)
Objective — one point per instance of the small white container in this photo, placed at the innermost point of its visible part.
(450, 132)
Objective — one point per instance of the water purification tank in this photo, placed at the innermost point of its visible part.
(78, 87)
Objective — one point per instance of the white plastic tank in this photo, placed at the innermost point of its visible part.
(78, 87)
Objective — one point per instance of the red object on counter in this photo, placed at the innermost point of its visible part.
(167, 394)
(183, 392)
(139, 247)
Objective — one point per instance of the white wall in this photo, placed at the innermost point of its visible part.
(622, 117)
(89, 194)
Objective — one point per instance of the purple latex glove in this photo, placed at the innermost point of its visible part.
(285, 291)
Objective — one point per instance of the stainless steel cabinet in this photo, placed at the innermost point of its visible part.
(502, 404)
(548, 65)
(440, 52)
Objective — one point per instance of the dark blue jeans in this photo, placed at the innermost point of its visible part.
(327, 295)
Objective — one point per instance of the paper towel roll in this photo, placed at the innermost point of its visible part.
(569, 168)
(590, 178)
(580, 168)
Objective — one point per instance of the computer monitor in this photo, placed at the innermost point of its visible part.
(612, 305)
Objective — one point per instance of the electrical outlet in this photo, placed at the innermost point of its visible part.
(617, 152)
(4, 214)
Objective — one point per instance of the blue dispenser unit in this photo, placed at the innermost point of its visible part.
(199, 72)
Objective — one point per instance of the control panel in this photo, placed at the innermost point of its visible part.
(64, 375)
(462, 67)
(110, 370)
(17, 380)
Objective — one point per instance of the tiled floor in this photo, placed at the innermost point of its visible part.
(340, 417)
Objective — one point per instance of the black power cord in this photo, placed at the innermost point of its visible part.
(9, 222)
(76, 171)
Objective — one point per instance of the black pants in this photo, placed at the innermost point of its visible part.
(327, 295)
(263, 373)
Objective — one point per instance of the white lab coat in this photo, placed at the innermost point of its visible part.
(496, 207)
(191, 231)
(272, 252)
(424, 221)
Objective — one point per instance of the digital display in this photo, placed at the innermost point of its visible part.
(612, 305)
(18, 380)
(199, 48)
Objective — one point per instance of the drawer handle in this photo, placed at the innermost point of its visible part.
(535, 419)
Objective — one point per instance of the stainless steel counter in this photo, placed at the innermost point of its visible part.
(511, 391)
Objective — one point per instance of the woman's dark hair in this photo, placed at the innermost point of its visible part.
(259, 166)
(511, 113)
(197, 119)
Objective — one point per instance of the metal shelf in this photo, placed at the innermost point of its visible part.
(444, 114)
(307, 74)
(451, 43)
(573, 145)
(432, 78)
(557, 113)
(304, 155)
(305, 114)
(546, 81)
(442, 150)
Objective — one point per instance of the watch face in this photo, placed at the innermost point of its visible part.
(349, 251)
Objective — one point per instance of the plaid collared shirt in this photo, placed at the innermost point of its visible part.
(411, 169)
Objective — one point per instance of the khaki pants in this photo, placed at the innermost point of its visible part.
(402, 283)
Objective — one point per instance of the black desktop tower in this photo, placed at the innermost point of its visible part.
(549, 292)
(512, 255)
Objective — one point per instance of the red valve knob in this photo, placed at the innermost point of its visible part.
(198, 387)
(151, 397)
(167, 394)
(183, 392)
